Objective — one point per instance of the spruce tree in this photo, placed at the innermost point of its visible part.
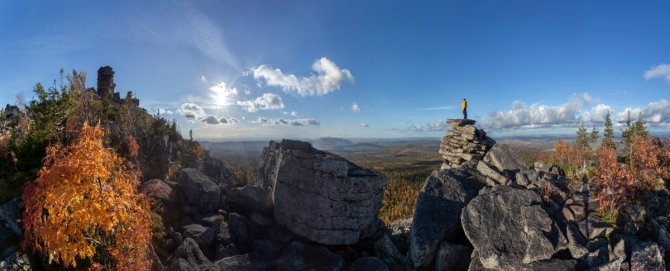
(582, 137)
(608, 133)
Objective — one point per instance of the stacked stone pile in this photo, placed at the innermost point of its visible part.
(464, 142)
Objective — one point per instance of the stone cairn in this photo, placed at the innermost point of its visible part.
(464, 142)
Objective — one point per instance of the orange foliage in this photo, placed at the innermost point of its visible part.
(567, 156)
(614, 184)
(84, 202)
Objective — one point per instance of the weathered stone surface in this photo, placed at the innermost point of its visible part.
(486, 170)
(17, 261)
(238, 263)
(319, 195)
(661, 235)
(505, 158)
(188, 257)
(552, 264)
(400, 227)
(258, 218)
(593, 226)
(387, 251)
(203, 195)
(10, 213)
(646, 256)
(438, 208)
(576, 241)
(494, 222)
(597, 256)
(251, 198)
(451, 257)
(267, 251)
(368, 264)
(613, 265)
(200, 234)
(461, 122)
(213, 168)
(158, 189)
(526, 176)
(239, 226)
(304, 257)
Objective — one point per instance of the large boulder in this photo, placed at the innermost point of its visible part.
(298, 256)
(506, 159)
(10, 213)
(451, 257)
(250, 197)
(438, 209)
(509, 228)
(368, 264)
(319, 195)
(203, 195)
(239, 263)
(189, 257)
(647, 256)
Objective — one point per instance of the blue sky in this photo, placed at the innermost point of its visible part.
(292, 69)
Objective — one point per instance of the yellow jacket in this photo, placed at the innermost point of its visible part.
(464, 104)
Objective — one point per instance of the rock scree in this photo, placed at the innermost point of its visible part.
(319, 195)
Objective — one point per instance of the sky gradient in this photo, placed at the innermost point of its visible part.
(250, 70)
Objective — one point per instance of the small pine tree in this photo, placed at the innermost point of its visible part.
(583, 138)
(608, 133)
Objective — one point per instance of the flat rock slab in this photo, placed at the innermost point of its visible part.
(438, 209)
(461, 122)
(505, 158)
(509, 228)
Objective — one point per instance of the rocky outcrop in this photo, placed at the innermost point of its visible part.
(438, 209)
(319, 195)
(304, 257)
(505, 159)
(464, 142)
(509, 228)
(203, 195)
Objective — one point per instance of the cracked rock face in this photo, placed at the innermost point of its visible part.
(319, 195)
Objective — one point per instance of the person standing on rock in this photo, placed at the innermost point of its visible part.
(464, 105)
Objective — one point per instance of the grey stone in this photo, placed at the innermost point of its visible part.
(526, 176)
(438, 209)
(238, 263)
(368, 264)
(188, 257)
(647, 256)
(319, 195)
(660, 235)
(203, 195)
(569, 216)
(597, 257)
(494, 222)
(505, 158)
(17, 261)
(10, 213)
(267, 251)
(400, 227)
(635, 212)
(258, 218)
(158, 189)
(619, 251)
(200, 234)
(385, 249)
(552, 264)
(251, 198)
(304, 257)
(613, 265)
(450, 257)
(576, 241)
(488, 171)
(239, 226)
(578, 211)
(461, 122)
(593, 226)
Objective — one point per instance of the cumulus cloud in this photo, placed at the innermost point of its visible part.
(265, 102)
(436, 126)
(598, 113)
(295, 114)
(363, 124)
(355, 108)
(210, 120)
(281, 121)
(654, 113)
(662, 71)
(203, 79)
(537, 115)
(223, 120)
(191, 111)
(221, 93)
(233, 121)
(328, 78)
(164, 112)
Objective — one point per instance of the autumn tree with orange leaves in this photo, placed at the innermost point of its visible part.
(85, 205)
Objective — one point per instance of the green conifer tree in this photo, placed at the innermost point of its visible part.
(608, 133)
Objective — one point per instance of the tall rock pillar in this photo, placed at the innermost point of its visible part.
(463, 143)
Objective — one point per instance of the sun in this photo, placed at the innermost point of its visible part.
(221, 94)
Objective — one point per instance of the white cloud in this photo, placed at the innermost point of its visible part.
(233, 121)
(210, 120)
(265, 102)
(355, 108)
(537, 115)
(221, 93)
(328, 78)
(223, 120)
(203, 79)
(363, 124)
(598, 113)
(295, 114)
(654, 113)
(436, 126)
(662, 71)
(191, 111)
(164, 112)
(281, 121)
